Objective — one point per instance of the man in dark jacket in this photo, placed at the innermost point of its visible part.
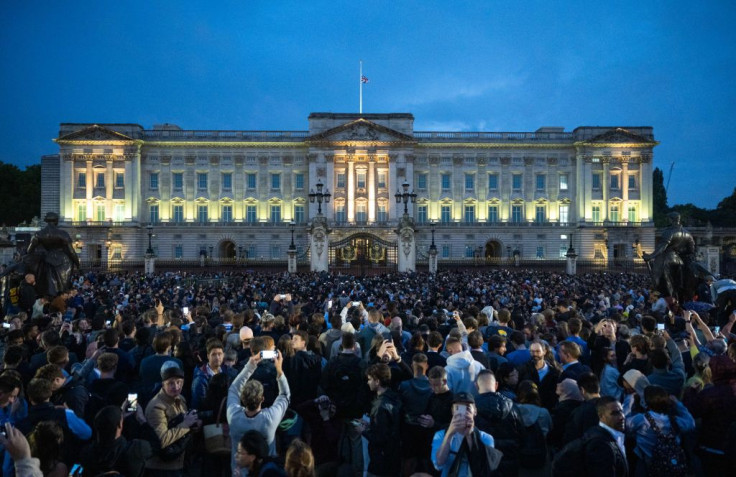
(385, 420)
(604, 453)
(499, 417)
(543, 373)
(111, 452)
(571, 368)
(416, 440)
(27, 294)
(342, 380)
(586, 415)
(303, 370)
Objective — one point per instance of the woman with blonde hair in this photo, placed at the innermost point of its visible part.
(299, 460)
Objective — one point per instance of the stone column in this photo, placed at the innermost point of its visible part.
(372, 190)
(292, 260)
(149, 264)
(319, 245)
(433, 260)
(351, 191)
(407, 245)
(572, 259)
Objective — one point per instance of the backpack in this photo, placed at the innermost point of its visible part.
(533, 449)
(569, 461)
(345, 383)
(668, 457)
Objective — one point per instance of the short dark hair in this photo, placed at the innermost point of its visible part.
(589, 383)
(39, 390)
(162, 342)
(348, 340)
(434, 339)
(13, 355)
(49, 372)
(110, 337)
(648, 323)
(214, 343)
(657, 399)
(603, 403)
(659, 358)
(496, 341)
(475, 339)
(437, 372)
(9, 382)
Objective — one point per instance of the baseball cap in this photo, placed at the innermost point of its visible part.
(463, 397)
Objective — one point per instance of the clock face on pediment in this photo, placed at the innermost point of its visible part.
(360, 130)
(95, 133)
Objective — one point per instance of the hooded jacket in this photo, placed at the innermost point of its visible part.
(462, 370)
(415, 395)
(128, 458)
(499, 417)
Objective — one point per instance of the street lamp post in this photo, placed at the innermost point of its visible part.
(432, 252)
(292, 247)
(433, 247)
(291, 253)
(319, 196)
(149, 228)
(150, 259)
(405, 196)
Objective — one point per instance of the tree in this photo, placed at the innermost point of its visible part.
(20, 195)
(659, 200)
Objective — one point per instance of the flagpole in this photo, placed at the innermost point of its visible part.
(360, 80)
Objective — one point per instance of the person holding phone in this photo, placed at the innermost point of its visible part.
(461, 447)
(244, 412)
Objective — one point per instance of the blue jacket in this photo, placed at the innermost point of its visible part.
(201, 382)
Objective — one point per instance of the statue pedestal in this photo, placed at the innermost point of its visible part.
(149, 264)
(319, 245)
(292, 260)
(433, 261)
(571, 266)
(713, 259)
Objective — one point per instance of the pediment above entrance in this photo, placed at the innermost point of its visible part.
(360, 131)
(618, 136)
(95, 133)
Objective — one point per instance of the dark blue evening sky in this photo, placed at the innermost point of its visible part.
(455, 65)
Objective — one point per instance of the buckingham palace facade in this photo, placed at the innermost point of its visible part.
(383, 191)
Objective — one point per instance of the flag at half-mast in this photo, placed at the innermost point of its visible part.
(364, 79)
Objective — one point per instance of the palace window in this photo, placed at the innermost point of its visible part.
(202, 214)
(445, 214)
(275, 214)
(422, 181)
(202, 181)
(153, 213)
(250, 180)
(563, 181)
(340, 216)
(541, 182)
(227, 213)
(299, 214)
(118, 213)
(299, 181)
(361, 214)
(614, 215)
(493, 182)
(596, 181)
(445, 178)
(469, 214)
(615, 181)
(469, 182)
(517, 214)
(100, 213)
(540, 215)
(493, 214)
(178, 213)
(632, 213)
(81, 212)
(516, 182)
(100, 183)
(251, 216)
(227, 181)
(564, 213)
(82, 180)
(119, 180)
(153, 178)
(382, 213)
(632, 181)
(446, 251)
(381, 180)
(275, 181)
(341, 179)
(596, 216)
(421, 214)
(178, 180)
(178, 251)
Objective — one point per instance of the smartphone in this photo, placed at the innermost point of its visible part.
(6, 325)
(716, 330)
(132, 402)
(356, 303)
(269, 354)
(185, 310)
(660, 326)
(77, 469)
(461, 409)
(108, 323)
(329, 303)
(283, 297)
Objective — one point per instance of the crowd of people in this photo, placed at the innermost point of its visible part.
(506, 372)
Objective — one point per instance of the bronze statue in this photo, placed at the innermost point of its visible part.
(51, 258)
(672, 264)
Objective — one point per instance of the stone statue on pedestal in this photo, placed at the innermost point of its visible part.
(51, 258)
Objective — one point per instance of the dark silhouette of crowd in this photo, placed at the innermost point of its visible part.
(505, 372)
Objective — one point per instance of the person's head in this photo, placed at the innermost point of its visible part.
(299, 461)
(497, 344)
(589, 385)
(660, 359)
(640, 344)
(379, 377)
(215, 353)
(486, 382)
(46, 442)
(299, 340)
(574, 325)
(108, 424)
(52, 373)
(475, 340)
(568, 389)
(128, 327)
(536, 350)
(252, 395)
(49, 339)
(701, 364)
(39, 390)
(172, 379)
(162, 342)
(529, 393)
(438, 379)
(107, 362)
(674, 218)
(348, 341)
(609, 356)
(504, 316)
(657, 399)
(246, 335)
(434, 340)
(453, 345)
(58, 355)
(252, 449)
(648, 323)
(464, 404)
(569, 352)
(419, 364)
(10, 387)
(507, 375)
(30, 278)
(111, 338)
(611, 413)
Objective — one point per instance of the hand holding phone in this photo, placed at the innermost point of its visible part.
(132, 402)
(266, 354)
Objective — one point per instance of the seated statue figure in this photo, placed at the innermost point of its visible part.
(51, 258)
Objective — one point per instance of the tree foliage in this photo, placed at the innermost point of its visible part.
(20, 194)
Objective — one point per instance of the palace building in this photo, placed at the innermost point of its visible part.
(380, 192)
